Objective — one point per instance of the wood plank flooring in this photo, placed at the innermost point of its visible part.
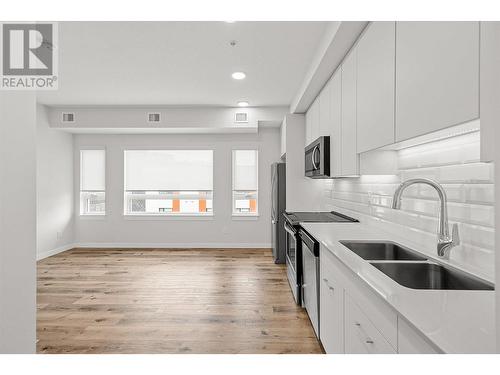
(168, 301)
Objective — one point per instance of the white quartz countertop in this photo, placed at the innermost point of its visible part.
(456, 321)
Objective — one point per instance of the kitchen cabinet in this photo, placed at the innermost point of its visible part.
(410, 342)
(437, 76)
(361, 335)
(490, 88)
(353, 319)
(375, 86)
(312, 122)
(324, 125)
(333, 129)
(331, 308)
(348, 153)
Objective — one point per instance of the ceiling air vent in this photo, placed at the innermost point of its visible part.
(68, 117)
(241, 117)
(153, 117)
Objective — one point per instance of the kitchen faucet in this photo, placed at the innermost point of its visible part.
(445, 242)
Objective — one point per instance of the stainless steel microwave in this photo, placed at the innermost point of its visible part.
(317, 158)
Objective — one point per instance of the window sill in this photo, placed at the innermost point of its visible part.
(92, 217)
(186, 217)
(243, 217)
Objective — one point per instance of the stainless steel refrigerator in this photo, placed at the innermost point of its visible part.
(278, 196)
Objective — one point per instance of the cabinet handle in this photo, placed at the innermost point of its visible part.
(368, 340)
(328, 285)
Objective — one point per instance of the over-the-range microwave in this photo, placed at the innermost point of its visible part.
(317, 158)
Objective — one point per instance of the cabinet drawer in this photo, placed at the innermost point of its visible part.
(361, 336)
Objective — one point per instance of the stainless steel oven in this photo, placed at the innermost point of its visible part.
(317, 158)
(293, 261)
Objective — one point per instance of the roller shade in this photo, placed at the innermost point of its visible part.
(161, 170)
(245, 171)
(92, 170)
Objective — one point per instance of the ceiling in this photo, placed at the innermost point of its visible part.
(182, 63)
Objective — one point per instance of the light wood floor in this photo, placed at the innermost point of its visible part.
(168, 301)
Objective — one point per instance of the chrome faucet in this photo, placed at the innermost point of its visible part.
(445, 241)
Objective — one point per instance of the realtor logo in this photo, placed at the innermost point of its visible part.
(29, 59)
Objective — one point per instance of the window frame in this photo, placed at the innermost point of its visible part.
(244, 215)
(166, 215)
(79, 186)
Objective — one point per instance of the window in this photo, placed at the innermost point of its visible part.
(168, 182)
(245, 182)
(92, 182)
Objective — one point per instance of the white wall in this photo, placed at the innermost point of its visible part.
(468, 183)
(220, 231)
(17, 222)
(55, 192)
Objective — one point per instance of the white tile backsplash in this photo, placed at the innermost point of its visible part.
(469, 185)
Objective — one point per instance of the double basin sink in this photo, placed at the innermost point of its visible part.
(413, 270)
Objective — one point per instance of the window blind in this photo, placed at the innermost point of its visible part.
(162, 170)
(92, 170)
(245, 171)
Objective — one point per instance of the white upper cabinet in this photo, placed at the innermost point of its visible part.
(349, 155)
(312, 122)
(375, 86)
(437, 76)
(490, 88)
(335, 124)
(324, 125)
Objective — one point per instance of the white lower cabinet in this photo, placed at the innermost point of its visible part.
(410, 342)
(361, 336)
(331, 310)
(353, 319)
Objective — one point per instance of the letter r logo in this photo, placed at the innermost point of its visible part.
(27, 49)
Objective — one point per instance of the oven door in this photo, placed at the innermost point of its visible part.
(293, 261)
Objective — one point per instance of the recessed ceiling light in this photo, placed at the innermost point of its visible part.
(242, 104)
(229, 21)
(238, 75)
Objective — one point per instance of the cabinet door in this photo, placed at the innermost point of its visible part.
(334, 131)
(490, 88)
(412, 342)
(315, 108)
(349, 154)
(312, 122)
(437, 76)
(324, 111)
(309, 117)
(361, 336)
(331, 307)
(375, 86)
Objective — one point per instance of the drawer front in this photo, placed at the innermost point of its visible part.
(361, 336)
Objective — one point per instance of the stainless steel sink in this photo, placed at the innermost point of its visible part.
(381, 251)
(424, 275)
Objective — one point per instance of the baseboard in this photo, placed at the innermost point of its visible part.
(57, 250)
(174, 245)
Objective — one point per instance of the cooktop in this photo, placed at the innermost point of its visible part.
(319, 217)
